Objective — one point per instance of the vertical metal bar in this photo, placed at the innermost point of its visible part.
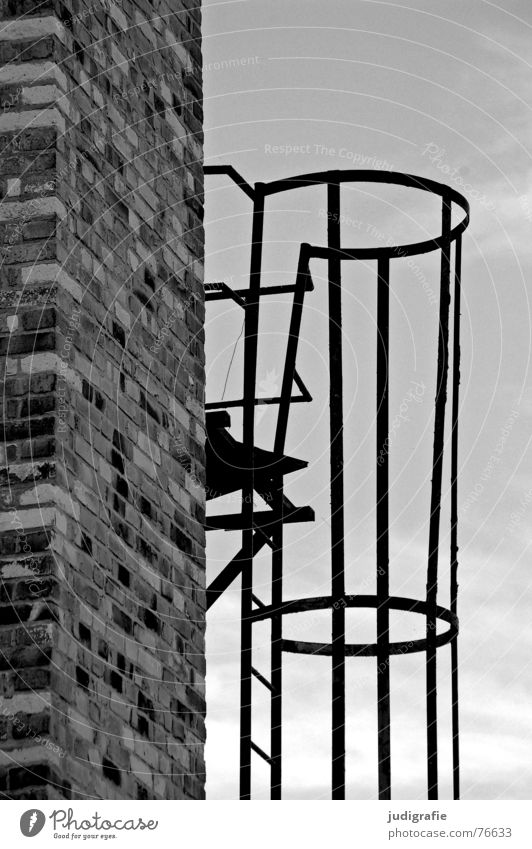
(435, 506)
(276, 646)
(291, 349)
(277, 536)
(250, 375)
(454, 515)
(382, 514)
(337, 494)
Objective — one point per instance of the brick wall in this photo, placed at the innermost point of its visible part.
(101, 315)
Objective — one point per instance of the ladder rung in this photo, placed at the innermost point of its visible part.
(260, 752)
(218, 290)
(261, 678)
(257, 601)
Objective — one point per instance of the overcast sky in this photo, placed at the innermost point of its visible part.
(441, 89)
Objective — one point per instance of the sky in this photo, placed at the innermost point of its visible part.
(442, 90)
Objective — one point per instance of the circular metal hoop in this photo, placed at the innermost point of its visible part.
(397, 178)
(408, 605)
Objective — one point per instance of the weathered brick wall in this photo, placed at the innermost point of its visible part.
(102, 545)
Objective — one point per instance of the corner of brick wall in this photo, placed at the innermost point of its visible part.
(101, 336)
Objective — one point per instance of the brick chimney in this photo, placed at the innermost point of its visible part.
(101, 331)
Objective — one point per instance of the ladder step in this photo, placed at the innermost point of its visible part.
(261, 678)
(260, 752)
